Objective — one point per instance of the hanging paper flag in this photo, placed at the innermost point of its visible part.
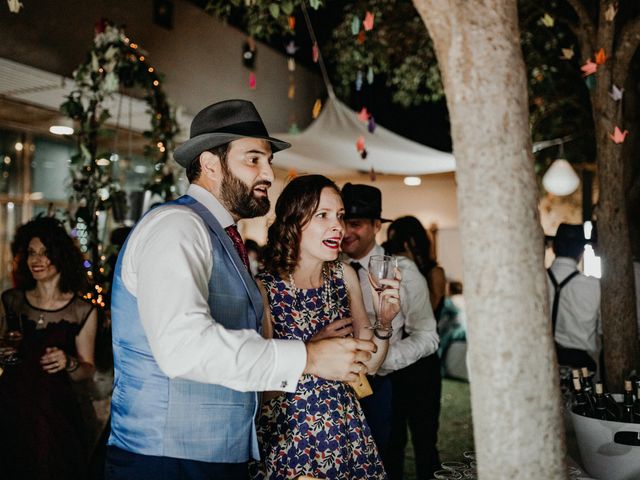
(372, 124)
(249, 53)
(616, 93)
(568, 53)
(291, 64)
(291, 174)
(315, 4)
(252, 80)
(600, 57)
(360, 144)
(14, 6)
(358, 81)
(293, 129)
(372, 175)
(370, 76)
(317, 107)
(363, 116)
(292, 22)
(589, 68)
(361, 37)
(292, 91)
(315, 52)
(367, 23)
(355, 26)
(618, 136)
(590, 82)
(291, 48)
(548, 20)
(610, 12)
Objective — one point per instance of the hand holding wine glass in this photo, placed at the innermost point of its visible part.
(385, 282)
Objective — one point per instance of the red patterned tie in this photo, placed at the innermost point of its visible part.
(235, 237)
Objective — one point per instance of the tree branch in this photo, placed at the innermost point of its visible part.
(627, 45)
(585, 25)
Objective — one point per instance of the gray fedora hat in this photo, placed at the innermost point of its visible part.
(221, 123)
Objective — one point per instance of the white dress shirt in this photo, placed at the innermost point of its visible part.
(167, 266)
(578, 322)
(415, 317)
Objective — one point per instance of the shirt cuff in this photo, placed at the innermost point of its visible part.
(290, 362)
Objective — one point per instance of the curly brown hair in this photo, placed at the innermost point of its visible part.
(294, 208)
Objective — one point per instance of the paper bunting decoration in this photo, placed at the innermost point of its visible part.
(291, 174)
(567, 53)
(292, 22)
(252, 80)
(315, 52)
(292, 91)
(610, 12)
(367, 23)
(315, 4)
(371, 126)
(372, 175)
(361, 37)
(590, 82)
(317, 108)
(360, 144)
(370, 76)
(14, 5)
(291, 64)
(363, 116)
(291, 48)
(355, 26)
(358, 81)
(548, 21)
(601, 57)
(616, 93)
(293, 129)
(618, 135)
(249, 53)
(589, 68)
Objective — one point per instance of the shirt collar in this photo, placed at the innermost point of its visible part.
(212, 204)
(364, 261)
(566, 261)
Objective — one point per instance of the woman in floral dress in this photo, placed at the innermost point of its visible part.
(319, 430)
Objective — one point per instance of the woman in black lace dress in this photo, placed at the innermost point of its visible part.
(40, 420)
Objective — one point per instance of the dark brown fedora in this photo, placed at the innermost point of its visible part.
(221, 123)
(362, 201)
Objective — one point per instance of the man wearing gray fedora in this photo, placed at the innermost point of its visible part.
(186, 316)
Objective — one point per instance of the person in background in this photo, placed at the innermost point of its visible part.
(186, 313)
(41, 420)
(417, 390)
(309, 295)
(412, 345)
(574, 301)
(255, 256)
(452, 327)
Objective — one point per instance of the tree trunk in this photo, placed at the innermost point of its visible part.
(514, 380)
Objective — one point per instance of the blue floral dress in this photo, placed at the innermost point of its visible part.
(320, 429)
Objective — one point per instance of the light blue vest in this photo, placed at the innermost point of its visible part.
(152, 414)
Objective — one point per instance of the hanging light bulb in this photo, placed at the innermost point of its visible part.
(561, 179)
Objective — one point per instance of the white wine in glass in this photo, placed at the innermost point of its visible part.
(380, 267)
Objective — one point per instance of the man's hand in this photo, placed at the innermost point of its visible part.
(338, 358)
(339, 328)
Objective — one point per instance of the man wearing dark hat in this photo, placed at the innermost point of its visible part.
(186, 315)
(574, 301)
(414, 335)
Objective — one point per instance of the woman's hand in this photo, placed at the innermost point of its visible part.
(338, 328)
(388, 299)
(54, 360)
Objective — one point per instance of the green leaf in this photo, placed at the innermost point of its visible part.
(274, 9)
(315, 4)
(287, 7)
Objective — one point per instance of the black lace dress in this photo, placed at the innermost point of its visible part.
(42, 434)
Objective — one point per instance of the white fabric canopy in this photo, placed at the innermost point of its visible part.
(328, 146)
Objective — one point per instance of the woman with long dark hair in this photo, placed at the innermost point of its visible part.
(320, 429)
(40, 418)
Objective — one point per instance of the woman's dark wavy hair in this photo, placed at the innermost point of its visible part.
(294, 208)
(408, 230)
(61, 252)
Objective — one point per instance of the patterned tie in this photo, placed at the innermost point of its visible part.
(235, 237)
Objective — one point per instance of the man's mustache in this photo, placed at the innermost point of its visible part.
(261, 182)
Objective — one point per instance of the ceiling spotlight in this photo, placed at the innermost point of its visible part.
(412, 181)
(63, 127)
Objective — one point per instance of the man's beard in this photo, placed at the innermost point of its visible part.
(238, 197)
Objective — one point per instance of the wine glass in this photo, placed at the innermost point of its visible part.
(380, 267)
(13, 340)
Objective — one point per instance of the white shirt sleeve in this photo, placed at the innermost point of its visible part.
(419, 322)
(167, 266)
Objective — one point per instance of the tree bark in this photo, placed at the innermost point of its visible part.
(514, 380)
